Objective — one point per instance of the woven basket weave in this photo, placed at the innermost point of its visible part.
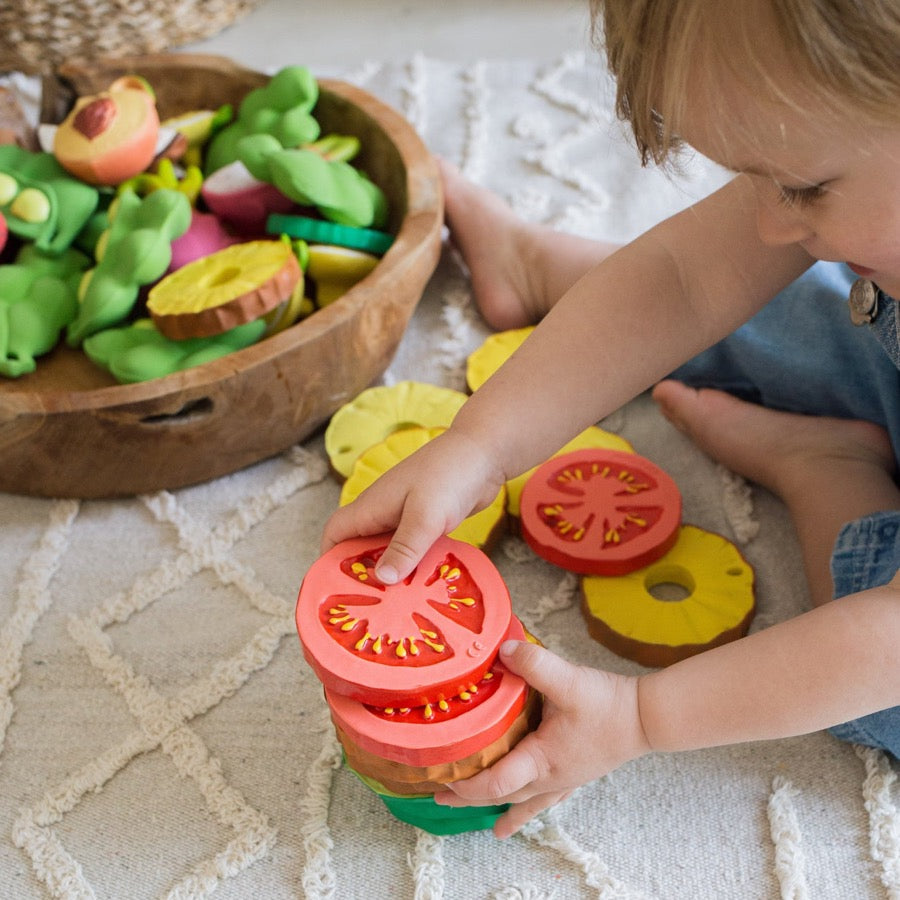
(38, 35)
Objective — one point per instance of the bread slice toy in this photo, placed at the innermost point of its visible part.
(711, 601)
(417, 694)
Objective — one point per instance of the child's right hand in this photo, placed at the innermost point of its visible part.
(420, 499)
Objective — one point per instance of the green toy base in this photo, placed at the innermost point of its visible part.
(424, 813)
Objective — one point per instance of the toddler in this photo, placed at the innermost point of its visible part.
(735, 312)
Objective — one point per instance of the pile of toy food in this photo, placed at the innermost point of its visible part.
(155, 246)
(417, 694)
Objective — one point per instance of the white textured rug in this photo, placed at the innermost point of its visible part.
(161, 736)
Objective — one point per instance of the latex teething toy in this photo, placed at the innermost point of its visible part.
(165, 176)
(413, 643)
(135, 250)
(242, 200)
(378, 412)
(481, 529)
(282, 109)
(198, 126)
(219, 292)
(37, 300)
(417, 695)
(110, 136)
(138, 352)
(334, 270)
(628, 615)
(205, 236)
(312, 177)
(318, 231)
(496, 349)
(593, 437)
(600, 512)
(41, 201)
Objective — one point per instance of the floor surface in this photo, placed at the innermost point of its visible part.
(344, 33)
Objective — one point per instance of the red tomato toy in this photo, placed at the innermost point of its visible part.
(408, 644)
(449, 730)
(600, 512)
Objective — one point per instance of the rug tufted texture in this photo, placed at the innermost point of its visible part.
(161, 735)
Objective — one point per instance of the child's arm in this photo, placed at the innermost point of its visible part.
(628, 323)
(827, 666)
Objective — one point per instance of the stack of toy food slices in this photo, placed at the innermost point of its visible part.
(417, 694)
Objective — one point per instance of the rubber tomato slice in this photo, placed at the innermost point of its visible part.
(407, 644)
(600, 512)
(437, 733)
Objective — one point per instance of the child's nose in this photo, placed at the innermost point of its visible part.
(778, 224)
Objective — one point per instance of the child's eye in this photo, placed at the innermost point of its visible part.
(800, 196)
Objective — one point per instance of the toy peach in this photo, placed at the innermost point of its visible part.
(109, 137)
(600, 512)
(481, 529)
(229, 288)
(624, 614)
(379, 411)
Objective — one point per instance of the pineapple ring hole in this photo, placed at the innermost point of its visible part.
(670, 583)
(229, 273)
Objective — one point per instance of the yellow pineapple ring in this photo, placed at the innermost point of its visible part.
(590, 438)
(378, 412)
(483, 362)
(480, 529)
(223, 290)
(624, 615)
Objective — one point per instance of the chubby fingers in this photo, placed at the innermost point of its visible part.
(520, 814)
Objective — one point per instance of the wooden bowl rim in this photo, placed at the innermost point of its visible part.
(414, 229)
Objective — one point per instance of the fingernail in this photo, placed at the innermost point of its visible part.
(387, 574)
(507, 648)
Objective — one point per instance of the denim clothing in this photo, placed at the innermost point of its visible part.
(802, 354)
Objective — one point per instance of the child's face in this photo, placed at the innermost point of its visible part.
(832, 187)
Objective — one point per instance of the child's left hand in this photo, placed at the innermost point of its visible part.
(590, 726)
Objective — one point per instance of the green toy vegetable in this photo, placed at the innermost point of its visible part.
(282, 109)
(138, 352)
(37, 300)
(342, 193)
(135, 250)
(41, 201)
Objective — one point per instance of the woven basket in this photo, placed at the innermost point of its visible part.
(38, 35)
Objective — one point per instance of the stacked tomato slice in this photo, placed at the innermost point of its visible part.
(411, 675)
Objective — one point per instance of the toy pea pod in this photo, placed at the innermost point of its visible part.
(339, 191)
(37, 300)
(135, 250)
(281, 109)
(138, 352)
(41, 201)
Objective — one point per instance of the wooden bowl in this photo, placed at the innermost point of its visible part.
(69, 430)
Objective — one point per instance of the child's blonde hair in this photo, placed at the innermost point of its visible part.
(846, 51)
